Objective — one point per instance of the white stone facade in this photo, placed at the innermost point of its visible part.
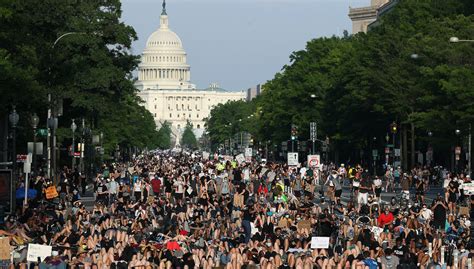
(362, 17)
(164, 83)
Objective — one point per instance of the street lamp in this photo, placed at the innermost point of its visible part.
(414, 56)
(457, 152)
(13, 118)
(430, 133)
(34, 124)
(374, 155)
(455, 39)
(73, 146)
(101, 148)
(313, 96)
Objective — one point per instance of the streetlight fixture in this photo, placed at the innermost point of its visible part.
(457, 132)
(455, 39)
(34, 124)
(313, 96)
(14, 118)
(414, 56)
(73, 146)
(101, 148)
(430, 133)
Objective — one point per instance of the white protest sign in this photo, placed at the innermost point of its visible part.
(205, 155)
(292, 159)
(240, 158)
(377, 231)
(319, 242)
(468, 188)
(314, 161)
(248, 152)
(35, 251)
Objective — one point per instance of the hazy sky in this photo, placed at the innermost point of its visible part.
(240, 43)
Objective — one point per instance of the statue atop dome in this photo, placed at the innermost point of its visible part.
(164, 8)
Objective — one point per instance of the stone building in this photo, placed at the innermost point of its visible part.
(164, 83)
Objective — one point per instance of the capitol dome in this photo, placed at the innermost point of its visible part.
(164, 39)
(163, 63)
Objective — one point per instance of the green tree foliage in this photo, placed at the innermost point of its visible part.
(164, 136)
(230, 118)
(404, 70)
(90, 70)
(188, 140)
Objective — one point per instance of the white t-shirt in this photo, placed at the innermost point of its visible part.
(179, 186)
(426, 213)
(377, 182)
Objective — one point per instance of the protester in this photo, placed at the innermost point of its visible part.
(219, 213)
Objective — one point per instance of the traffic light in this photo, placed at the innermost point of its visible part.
(294, 132)
(393, 128)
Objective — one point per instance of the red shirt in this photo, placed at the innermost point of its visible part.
(385, 219)
(156, 185)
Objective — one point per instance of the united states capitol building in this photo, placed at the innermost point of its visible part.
(164, 83)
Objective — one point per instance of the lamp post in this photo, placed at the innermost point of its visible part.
(73, 146)
(101, 148)
(34, 124)
(81, 148)
(455, 39)
(374, 156)
(14, 118)
(457, 152)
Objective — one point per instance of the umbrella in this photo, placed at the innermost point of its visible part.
(20, 193)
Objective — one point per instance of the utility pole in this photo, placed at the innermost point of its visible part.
(469, 152)
(313, 131)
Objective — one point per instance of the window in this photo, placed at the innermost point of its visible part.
(171, 115)
(155, 106)
(189, 115)
(199, 126)
(178, 115)
(155, 115)
(197, 116)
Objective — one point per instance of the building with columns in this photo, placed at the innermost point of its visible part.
(363, 17)
(164, 83)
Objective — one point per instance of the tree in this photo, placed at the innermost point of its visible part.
(90, 70)
(188, 139)
(164, 136)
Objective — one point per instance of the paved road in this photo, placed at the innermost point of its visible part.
(430, 195)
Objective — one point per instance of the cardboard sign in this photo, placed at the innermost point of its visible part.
(319, 242)
(240, 158)
(4, 249)
(51, 192)
(35, 251)
(292, 159)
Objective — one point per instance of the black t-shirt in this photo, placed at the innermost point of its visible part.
(365, 185)
(400, 251)
(247, 215)
(237, 175)
(439, 214)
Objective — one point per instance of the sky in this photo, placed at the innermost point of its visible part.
(240, 43)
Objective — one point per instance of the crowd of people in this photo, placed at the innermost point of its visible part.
(184, 210)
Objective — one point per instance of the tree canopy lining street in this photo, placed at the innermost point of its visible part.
(403, 70)
(90, 70)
